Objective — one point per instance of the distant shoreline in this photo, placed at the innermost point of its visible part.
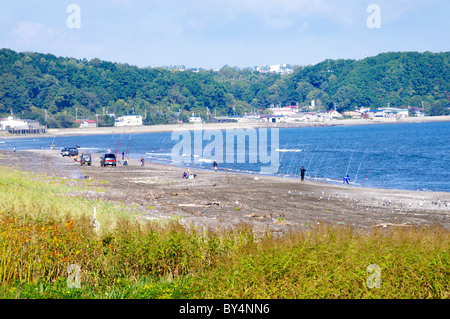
(221, 126)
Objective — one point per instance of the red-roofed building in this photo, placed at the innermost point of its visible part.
(86, 123)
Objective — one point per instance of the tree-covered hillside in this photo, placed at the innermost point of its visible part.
(397, 79)
(56, 90)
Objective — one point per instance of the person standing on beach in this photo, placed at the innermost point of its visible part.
(123, 155)
(346, 180)
(302, 173)
(215, 166)
(142, 161)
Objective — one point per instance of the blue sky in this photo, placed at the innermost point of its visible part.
(210, 34)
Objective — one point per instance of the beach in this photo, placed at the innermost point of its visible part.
(218, 200)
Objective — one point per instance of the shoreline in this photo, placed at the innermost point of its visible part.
(57, 132)
(136, 162)
(226, 199)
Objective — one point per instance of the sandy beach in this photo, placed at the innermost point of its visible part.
(221, 199)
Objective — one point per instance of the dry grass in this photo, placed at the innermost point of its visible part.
(42, 232)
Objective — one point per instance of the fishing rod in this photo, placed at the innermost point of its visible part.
(312, 156)
(110, 141)
(118, 143)
(320, 165)
(370, 166)
(295, 160)
(348, 166)
(287, 147)
(127, 153)
(357, 172)
(331, 160)
(53, 145)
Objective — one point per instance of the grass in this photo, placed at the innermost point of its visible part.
(43, 231)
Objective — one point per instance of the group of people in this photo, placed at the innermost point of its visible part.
(124, 161)
(346, 179)
(189, 175)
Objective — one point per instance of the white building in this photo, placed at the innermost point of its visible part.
(312, 117)
(11, 122)
(285, 110)
(353, 114)
(395, 112)
(333, 114)
(195, 119)
(88, 123)
(250, 118)
(363, 110)
(276, 68)
(277, 119)
(297, 117)
(14, 123)
(128, 120)
(388, 112)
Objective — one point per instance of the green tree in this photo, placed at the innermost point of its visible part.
(62, 85)
(436, 109)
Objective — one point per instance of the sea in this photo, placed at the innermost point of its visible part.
(407, 156)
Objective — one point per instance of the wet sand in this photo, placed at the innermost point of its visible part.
(215, 200)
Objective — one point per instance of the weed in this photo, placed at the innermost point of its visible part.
(43, 231)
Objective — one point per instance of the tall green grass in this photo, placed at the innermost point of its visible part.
(43, 231)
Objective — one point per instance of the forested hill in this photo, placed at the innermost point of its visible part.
(55, 90)
(400, 79)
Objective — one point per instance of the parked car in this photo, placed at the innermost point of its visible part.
(108, 159)
(69, 151)
(86, 159)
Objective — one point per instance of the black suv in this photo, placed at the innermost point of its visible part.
(86, 159)
(108, 159)
(69, 151)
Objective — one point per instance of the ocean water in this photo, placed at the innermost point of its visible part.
(393, 156)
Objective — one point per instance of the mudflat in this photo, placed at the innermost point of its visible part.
(216, 200)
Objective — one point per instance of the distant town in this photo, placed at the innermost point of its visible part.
(275, 114)
(276, 68)
(296, 114)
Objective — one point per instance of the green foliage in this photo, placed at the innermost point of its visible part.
(32, 83)
(39, 238)
(401, 79)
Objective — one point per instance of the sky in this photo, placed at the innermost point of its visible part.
(213, 33)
